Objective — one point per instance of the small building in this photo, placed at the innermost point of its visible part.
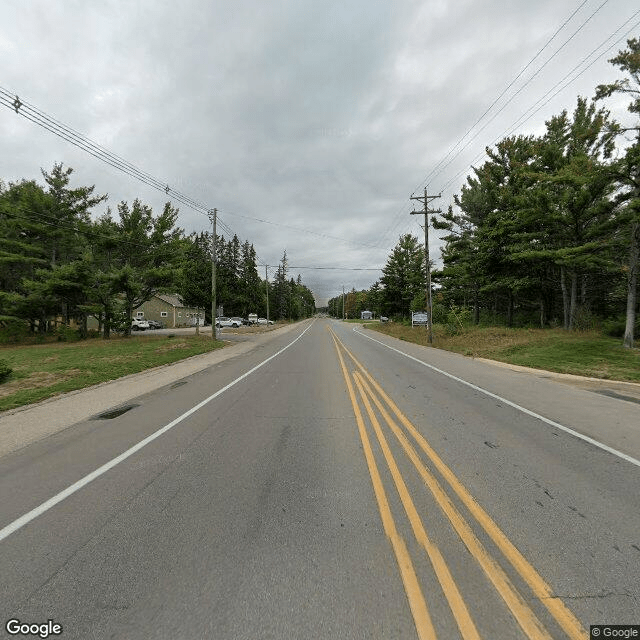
(170, 310)
(366, 315)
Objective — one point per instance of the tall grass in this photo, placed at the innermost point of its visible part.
(580, 353)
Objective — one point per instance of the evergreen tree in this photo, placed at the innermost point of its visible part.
(403, 275)
(627, 175)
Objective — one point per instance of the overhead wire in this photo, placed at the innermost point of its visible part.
(520, 89)
(504, 91)
(558, 87)
(440, 166)
(47, 122)
(402, 211)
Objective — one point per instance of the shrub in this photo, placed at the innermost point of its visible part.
(583, 319)
(5, 370)
(66, 334)
(14, 331)
(614, 327)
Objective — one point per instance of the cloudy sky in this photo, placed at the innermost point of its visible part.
(308, 125)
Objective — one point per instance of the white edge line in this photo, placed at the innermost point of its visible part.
(600, 445)
(83, 482)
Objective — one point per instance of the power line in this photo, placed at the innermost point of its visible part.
(47, 122)
(399, 216)
(513, 96)
(517, 77)
(535, 108)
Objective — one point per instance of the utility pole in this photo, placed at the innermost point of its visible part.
(343, 313)
(266, 282)
(213, 216)
(425, 200)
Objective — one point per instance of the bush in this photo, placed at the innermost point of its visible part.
(66, 334)
(457, 319)
(583, 319)
(14, 331)
(5, 370)
(614, 327)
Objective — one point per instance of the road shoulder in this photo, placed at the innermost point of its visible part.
(25, 425)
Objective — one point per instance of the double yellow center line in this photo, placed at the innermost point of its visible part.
(372, 395)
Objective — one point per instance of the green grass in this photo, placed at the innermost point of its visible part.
(42, 371)
(579, 353)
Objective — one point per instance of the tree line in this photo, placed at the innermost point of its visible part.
(60, 266)
(546, 231)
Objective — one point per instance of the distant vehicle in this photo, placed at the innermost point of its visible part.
(264, 321)
(419, 318)
(384, 319)
(253, 318)
(236, 322)
(138, 324)
(155, 325)
(223, 321)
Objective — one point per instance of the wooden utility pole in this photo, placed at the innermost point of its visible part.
(425, 200)
(266, 282)
(213, 216)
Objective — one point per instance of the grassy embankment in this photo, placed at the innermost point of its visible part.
(580, 353)
(44, 370)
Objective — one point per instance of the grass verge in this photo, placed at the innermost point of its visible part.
(586, 354)
(42, 371)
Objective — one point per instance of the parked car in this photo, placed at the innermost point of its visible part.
(384, 319)
(223, 321)
(262, 321)
(155, 325)
(236, 322)
(253, 318)
(138, 324)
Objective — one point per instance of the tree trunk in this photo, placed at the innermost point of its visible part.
(632, 285)
(510, 309)
(543, 312)
(565, 297)
(476, 306)
(574, 300)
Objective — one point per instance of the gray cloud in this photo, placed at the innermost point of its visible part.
(321, 116)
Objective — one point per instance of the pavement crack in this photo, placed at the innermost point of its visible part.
(589, 596)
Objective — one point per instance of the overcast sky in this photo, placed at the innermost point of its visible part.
(319, 117)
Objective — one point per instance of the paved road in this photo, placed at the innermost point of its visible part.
(331, 483)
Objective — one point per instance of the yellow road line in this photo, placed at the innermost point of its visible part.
(456, 603)
(562, 614)
(417, 604)
(514, 601)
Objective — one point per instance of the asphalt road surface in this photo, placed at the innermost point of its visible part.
(330, 483)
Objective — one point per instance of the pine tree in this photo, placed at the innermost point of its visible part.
(403, 275)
